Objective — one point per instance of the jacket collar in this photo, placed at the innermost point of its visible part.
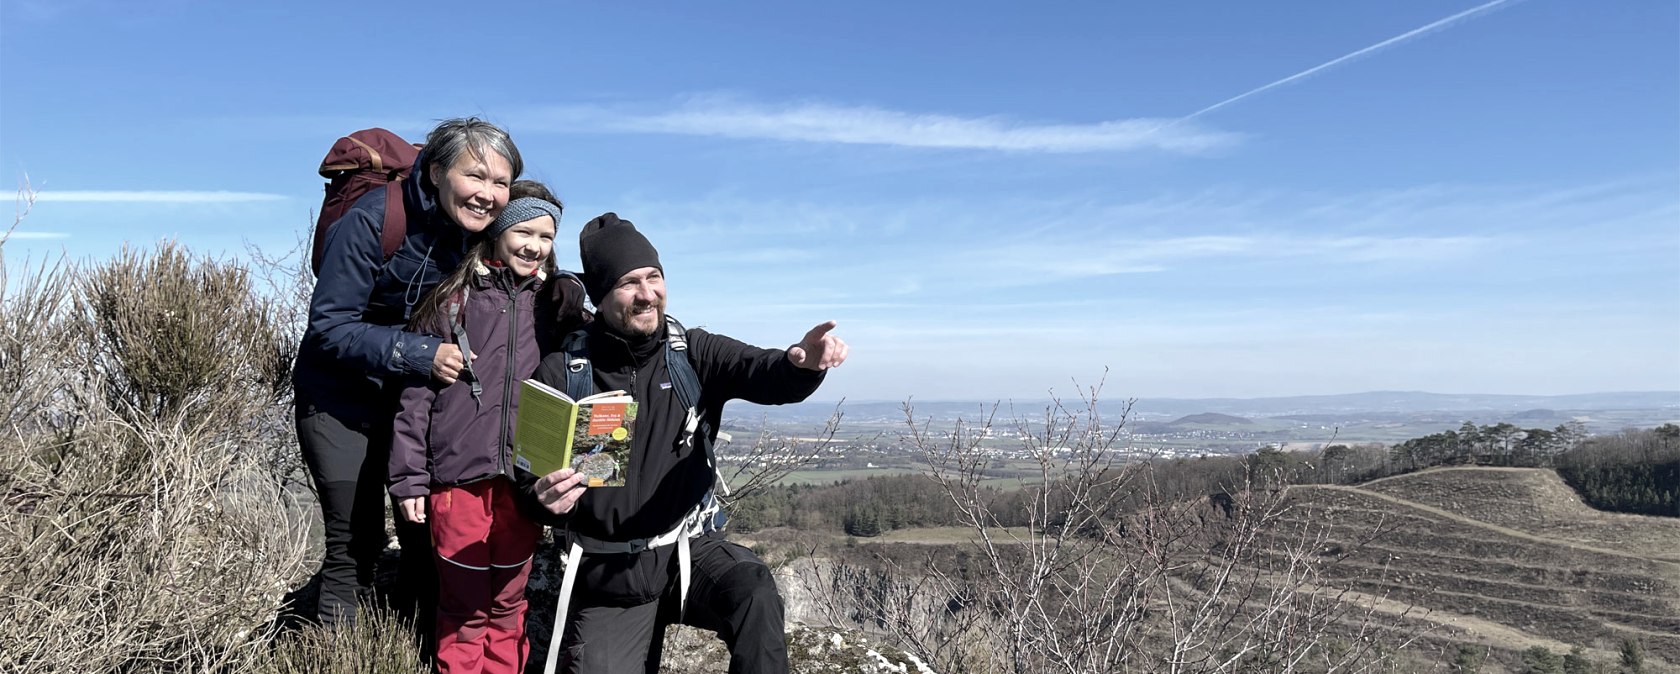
(638, 351)
(487, 274)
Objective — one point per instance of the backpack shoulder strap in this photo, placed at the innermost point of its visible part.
(580, 373)
(697, 430)
(395, 227)
(454, 309)
(683, 377)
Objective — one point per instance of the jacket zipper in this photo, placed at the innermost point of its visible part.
(507, 373)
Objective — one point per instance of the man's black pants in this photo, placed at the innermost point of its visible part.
(347, 461)
(623, 603)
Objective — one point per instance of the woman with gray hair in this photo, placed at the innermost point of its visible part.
(357, 350)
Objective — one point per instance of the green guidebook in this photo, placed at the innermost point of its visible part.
(591, 435)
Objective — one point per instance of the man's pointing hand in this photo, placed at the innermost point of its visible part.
(818, 350)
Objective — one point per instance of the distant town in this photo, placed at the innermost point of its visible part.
(887, 438)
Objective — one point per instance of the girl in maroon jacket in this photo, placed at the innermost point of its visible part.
(449, 455)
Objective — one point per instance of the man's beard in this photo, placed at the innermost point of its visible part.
(628, 321)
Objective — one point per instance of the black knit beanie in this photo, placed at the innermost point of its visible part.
(611, 248)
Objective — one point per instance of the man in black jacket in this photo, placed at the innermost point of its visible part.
(643, 554)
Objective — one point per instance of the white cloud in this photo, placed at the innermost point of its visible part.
(964, 254)
(1402, 248)
(1439, 287)
(154, 196)
(817, 122)
(1024, 261)
(25, 236)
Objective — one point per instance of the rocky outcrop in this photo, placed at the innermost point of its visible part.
(811, 649)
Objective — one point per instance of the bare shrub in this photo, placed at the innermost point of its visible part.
(35, 342)
(173, 336)
(283, 283)
(139, 536)
(1112, 574)
(920, 607)
(34, 339)
(773, 457)
(26, 196)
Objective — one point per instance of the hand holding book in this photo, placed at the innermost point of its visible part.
(560, 490)
(592, 436)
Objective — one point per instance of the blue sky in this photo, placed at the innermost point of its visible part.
(994, 200)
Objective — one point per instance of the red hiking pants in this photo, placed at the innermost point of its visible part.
(484, 549)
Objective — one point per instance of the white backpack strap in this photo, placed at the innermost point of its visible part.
(574, 557)
(722, 439)
(685, 562)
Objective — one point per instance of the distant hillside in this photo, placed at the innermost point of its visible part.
(1409, 402)
(1534, 501)
(1376, 404)
(1508, 559)
(1206, 421)
(1211, 419)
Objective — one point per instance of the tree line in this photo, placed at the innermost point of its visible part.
(1634, 471)
(1631, 471)
(875, 505)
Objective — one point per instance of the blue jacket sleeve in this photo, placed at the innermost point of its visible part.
(350, 265)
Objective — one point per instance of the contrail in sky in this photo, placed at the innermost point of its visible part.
(155, 196)
(1438, 25)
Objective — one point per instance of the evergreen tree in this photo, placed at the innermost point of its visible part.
(1576, 662)
(1633, 659)
(1467, 660)
(864, 520)
(1541, 660)
(1335, 460)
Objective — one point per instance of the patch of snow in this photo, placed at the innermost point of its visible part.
(882, 664)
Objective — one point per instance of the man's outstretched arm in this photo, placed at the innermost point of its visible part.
(819, 349)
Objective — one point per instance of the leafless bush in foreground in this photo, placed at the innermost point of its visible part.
(136, 533)
(282, 284)
(1112, 574)
(173, 336)
(773, 457)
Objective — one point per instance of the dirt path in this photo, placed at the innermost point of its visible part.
(1674, 568)
(1569, 517)
(1485, 632)
(1379, 567)
(1466, 628)
(1443, 469)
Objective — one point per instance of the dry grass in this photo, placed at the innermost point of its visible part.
(378, 642)
(136, 533)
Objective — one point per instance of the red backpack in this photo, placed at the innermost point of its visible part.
(355, 165)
